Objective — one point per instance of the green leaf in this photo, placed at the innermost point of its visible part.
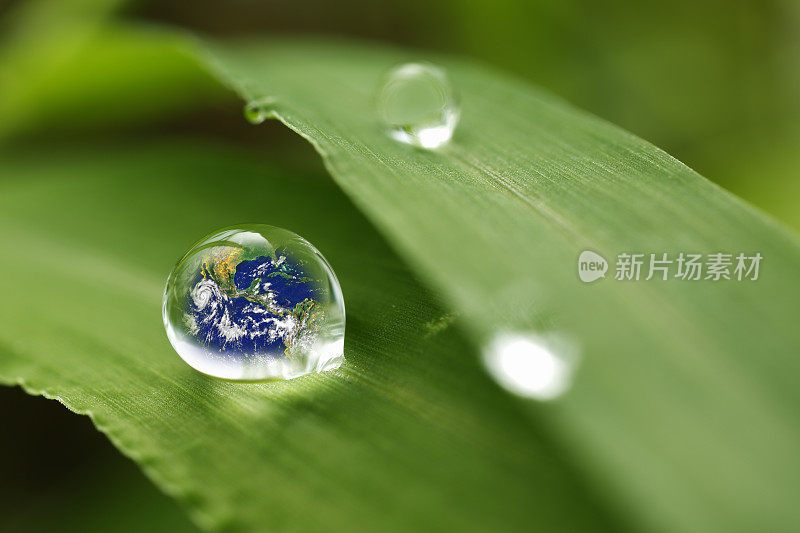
(64, 71)
(683, 407)
(410, 434)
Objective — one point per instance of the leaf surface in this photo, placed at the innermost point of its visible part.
(410, 434)
(681, 413)
(683, 405)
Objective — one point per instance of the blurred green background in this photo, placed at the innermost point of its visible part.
(714, 83)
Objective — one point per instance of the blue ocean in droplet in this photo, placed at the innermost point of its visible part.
(237, 325)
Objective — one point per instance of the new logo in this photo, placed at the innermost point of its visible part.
(591, 266)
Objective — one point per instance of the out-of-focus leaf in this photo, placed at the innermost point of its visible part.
(65, 68)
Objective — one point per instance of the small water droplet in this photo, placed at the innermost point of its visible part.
(257, 111)
(538, 367)
(255, 303)
(418, 105)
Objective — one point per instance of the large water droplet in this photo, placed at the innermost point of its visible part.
(531, 366)
(418, 105)
(255, 303)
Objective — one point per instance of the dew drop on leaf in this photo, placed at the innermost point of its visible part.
(255, 303)
(531, 366)
(418, 105)
(256, 112)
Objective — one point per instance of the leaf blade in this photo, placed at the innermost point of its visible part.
(405, 436)
(496, 221)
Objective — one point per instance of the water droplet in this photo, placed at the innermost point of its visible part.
(531, 366)
(418, 105)
(255, 303)
(258, 111)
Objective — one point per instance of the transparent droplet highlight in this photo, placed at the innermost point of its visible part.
(531, 366)
(418, 105)
(255, 303)
(258, 111)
